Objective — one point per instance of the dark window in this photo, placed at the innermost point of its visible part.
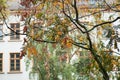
(1, 62)
(1, 31)
(14, 62)
(15, 33)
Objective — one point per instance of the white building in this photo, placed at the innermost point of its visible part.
(11, 67)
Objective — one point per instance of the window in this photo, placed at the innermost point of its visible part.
(1, 31)
(16, 28)
(1, 62)
(14, 62)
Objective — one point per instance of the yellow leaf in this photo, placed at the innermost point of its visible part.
(95, 46)
(34, 51)
(28, 52)
(57, 37)
(67, 1)
(69, 44)
(31, 50)
(99, 32)
(32, 33)
(40, 6)
(59, 33)
(60, 5)
(81, 38)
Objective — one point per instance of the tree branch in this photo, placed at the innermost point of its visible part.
(76, 11)
(111, 7)
(72, 20)
(108, 22)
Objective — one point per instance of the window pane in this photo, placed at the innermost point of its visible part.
(12, 26)
(12, 65)
(0, 69)
(18, 64)
(17, 36)
(12, 61)
(0, 55)
(17, 55)
(1, 33)
(18, 31)
(12, 33)
(17, 61)
(0, 64)
(0, 61)
(11, 55)
(17, 67)
(17, 25)
(12, 68)
(12, 37)
(16, 28)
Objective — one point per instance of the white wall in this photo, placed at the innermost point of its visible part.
(6, 47)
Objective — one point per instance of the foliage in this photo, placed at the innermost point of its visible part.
(54, 31)
(2, 7)
(58, 31)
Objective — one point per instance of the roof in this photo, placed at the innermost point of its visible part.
(14, 4)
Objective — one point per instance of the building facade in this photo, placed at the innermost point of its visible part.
(11, 66)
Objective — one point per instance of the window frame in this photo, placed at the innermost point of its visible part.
(14, 58)
(14, 35)
(2, 63)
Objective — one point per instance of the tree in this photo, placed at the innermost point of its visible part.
(55, 33)
(2, 7)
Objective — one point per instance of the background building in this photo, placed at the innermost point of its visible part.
(11, 67)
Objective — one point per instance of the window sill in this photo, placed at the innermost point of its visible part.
(14, 40)
(14, 72)
(1, 72)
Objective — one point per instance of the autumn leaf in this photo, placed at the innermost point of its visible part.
(25, 41)
(67, 42)
(95, 46)
(59, 33)
(29, 52)
(34, 51)
(22, 53)
(32, 33)
(99, 32)
(81, 38)
(24, 29)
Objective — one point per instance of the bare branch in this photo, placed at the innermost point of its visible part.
(108, 22)
(76, 11)
(111, 7)
(71, 19)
